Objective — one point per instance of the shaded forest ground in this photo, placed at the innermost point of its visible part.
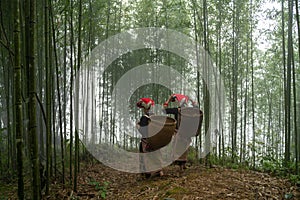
(197, 182)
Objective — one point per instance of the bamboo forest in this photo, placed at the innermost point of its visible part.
(141, 99)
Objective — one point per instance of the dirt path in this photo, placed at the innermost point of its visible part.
(195, 182)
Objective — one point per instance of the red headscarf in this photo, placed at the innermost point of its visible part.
(145, 103)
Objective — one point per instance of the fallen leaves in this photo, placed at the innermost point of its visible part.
(195, 183)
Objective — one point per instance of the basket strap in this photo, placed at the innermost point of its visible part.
(179, 117)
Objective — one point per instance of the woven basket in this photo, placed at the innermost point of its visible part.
(190, 121)
(160, 129)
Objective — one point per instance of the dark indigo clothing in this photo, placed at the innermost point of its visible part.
(144, 121)
(180, 155)
(144, 147)
(175, 112)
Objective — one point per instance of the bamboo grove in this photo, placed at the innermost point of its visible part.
(254, 45)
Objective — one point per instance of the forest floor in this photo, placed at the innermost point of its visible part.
(197, 182)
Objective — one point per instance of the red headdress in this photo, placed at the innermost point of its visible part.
(145, 103)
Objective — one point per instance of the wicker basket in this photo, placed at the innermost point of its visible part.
(160, 129)
(190, 121)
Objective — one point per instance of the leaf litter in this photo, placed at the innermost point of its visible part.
(97, 181)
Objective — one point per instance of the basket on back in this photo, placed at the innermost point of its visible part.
(160, 131)
(190, 120)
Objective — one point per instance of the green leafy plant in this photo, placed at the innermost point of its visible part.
(192, 155)
(101, 188)
(295, 179)
(270, 165)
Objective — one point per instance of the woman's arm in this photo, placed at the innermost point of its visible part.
(165, 105)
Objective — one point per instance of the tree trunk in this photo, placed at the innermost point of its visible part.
(71, 90)
(62, 139)
(48, 98)
(252, 91)
(76, 170)
(288, 84)
(297, 139)
(205, 88)
(32, 125)
(18, 100)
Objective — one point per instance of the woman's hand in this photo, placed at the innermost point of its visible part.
(165, 105)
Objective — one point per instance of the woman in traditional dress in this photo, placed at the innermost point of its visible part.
(146, 104)
(180, 140)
